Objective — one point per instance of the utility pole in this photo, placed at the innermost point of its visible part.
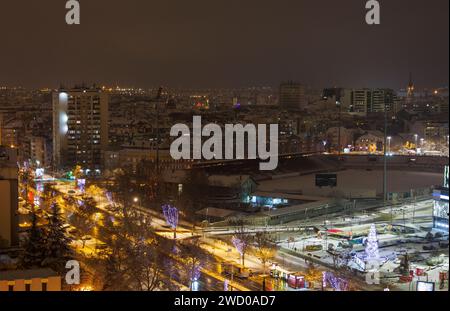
(414, 205)
(338, 103)
(404, 222)
(1, 127)
(385, 194)
(157, 99)
(232, 276)
(158, 138)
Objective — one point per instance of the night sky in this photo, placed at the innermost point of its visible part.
(224, 43)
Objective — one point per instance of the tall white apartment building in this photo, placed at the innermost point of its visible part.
(80, 128)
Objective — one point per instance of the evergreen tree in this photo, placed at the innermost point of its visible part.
(34, 246)
(57, 247)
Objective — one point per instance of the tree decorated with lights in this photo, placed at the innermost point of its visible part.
(240, 246)
(372, 244)
(226, 285)
(338, 284)
(193, 258)
(172, 270)
(194, 273)
(171, 215)
(238, 243)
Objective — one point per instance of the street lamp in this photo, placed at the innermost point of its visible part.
(389, 138)
(137, 201)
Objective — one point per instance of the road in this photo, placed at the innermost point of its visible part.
(212, 277)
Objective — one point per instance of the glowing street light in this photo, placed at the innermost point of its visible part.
(389, 139)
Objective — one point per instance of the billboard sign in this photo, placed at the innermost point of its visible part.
(326, 180)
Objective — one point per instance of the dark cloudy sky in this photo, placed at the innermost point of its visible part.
(224, 43)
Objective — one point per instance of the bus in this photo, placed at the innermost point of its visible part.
(297, 281)
(278, 272)
(293, 279)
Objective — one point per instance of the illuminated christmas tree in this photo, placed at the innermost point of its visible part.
(372, 244)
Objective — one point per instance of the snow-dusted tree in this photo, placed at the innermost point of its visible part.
(173, 271)
(85, 218)
(265, 250)
(57, 247)
(34, 246)
(193, 260)
(242, 239)
(111, 270)
(143, 265)
(133, 260)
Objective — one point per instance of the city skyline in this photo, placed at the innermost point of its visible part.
(295, 146)
(204, 45)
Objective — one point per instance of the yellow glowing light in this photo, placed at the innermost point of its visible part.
(97, 216)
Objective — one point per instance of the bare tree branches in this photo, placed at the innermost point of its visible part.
(264, 249)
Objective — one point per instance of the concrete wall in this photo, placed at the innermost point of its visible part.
(412, 163)
(5, 211)
(8, 206)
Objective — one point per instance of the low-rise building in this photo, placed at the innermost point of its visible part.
(38, 280)
(371, 141)
(8, 198)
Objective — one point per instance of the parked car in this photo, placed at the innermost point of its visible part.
(86, 238)
(101, 246)
(429, 248)
(72, 230)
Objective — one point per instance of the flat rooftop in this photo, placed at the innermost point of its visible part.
(12, 275)
(355, 183)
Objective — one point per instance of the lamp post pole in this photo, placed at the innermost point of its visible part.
(384, 157)
(389, 139)
(338, 103)
(416, 137)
